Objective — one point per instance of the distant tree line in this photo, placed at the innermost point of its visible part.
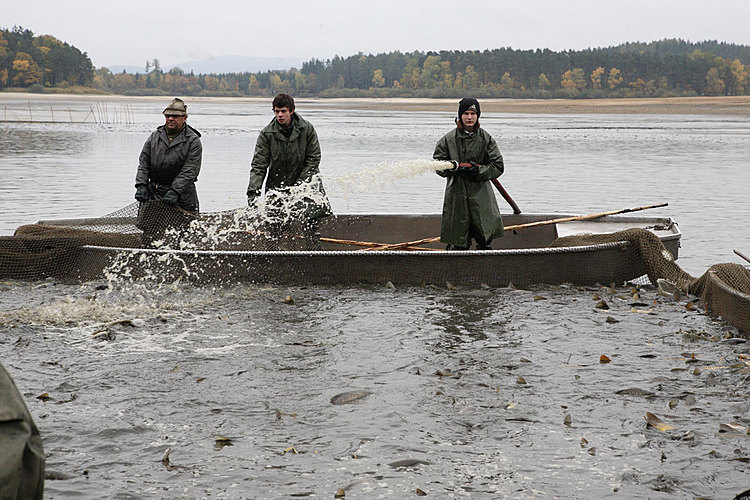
(36, 62)
(662, 68)
(656, 69)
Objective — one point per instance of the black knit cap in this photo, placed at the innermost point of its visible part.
(468, 103)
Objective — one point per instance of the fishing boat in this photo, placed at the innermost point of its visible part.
(366, 249)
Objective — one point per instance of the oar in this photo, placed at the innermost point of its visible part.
(396, 246)
(505, 195)
(742, 255)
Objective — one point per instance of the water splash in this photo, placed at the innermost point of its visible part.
(273, 222)
(385, 174)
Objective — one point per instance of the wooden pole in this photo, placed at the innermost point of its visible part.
(371, 244)
(397, 246)
(742, 255)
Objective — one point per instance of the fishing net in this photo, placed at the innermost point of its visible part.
(153, 241)
(724, 289)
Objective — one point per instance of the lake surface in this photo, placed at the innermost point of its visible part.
(470, 393)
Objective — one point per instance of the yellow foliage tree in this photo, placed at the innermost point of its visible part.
(738, 78)
(714, 83)
(543, 81)
(573, 79)
(596, 78)
(377, 78)
(614, 79)
(27, 71)
(507, 82)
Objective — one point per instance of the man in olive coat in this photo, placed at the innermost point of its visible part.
(170, 161)
(470, 208)
(21, 453)
(287, 158)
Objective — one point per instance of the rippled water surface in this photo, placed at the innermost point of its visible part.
(175, 391)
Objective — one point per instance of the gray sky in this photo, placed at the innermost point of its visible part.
(130, 32)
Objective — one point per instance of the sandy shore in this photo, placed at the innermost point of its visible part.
(724, 105)
(732, 105)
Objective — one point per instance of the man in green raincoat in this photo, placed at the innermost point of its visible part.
(287, 158)
(21, 453)
(470, 208)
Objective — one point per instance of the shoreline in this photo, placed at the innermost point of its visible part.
(719, 105)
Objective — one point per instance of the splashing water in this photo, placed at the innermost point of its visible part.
(247, 228)
(384, 174)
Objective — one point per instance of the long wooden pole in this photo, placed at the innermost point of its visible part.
(742, 255)
(396, 246)
(505, 195)
(371, 244)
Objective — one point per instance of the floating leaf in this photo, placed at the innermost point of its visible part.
(290, 449)
(520, 380)
(421, 493)
(610, 319)
(288, 300)
(673, 403)
(539, 297)
(689, 306)
(657, 423)
(568, 420)
(592, 451)
(44, 396)
(340, 493)
(602, 304)
(604, 359)
(584, 442)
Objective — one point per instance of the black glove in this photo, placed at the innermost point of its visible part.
(251, 197)
(171, 197)
(472, 171)
(141, 193)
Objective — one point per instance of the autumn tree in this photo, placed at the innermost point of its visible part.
(737, 84)
(573, 79)
(543, 81)
(596, 78)
(377, 78)
(615, 79)
(714, 84)
(27, 71)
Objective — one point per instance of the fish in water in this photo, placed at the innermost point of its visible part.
(408, 462)
(349, 397)
(635, 391)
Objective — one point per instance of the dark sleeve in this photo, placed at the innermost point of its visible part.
(259, 165)
(312, 155)
(144, 164)
(492, 166)
(190, 169)
(441, 153)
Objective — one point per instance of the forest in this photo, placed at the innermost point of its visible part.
(661, 68)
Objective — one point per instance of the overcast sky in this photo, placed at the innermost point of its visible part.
(130, 32)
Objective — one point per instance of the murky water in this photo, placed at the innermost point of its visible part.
(474, 393)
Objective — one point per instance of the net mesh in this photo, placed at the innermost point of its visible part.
(724, 289)
(43, 250)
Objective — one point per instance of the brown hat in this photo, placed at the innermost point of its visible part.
(176, 107)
